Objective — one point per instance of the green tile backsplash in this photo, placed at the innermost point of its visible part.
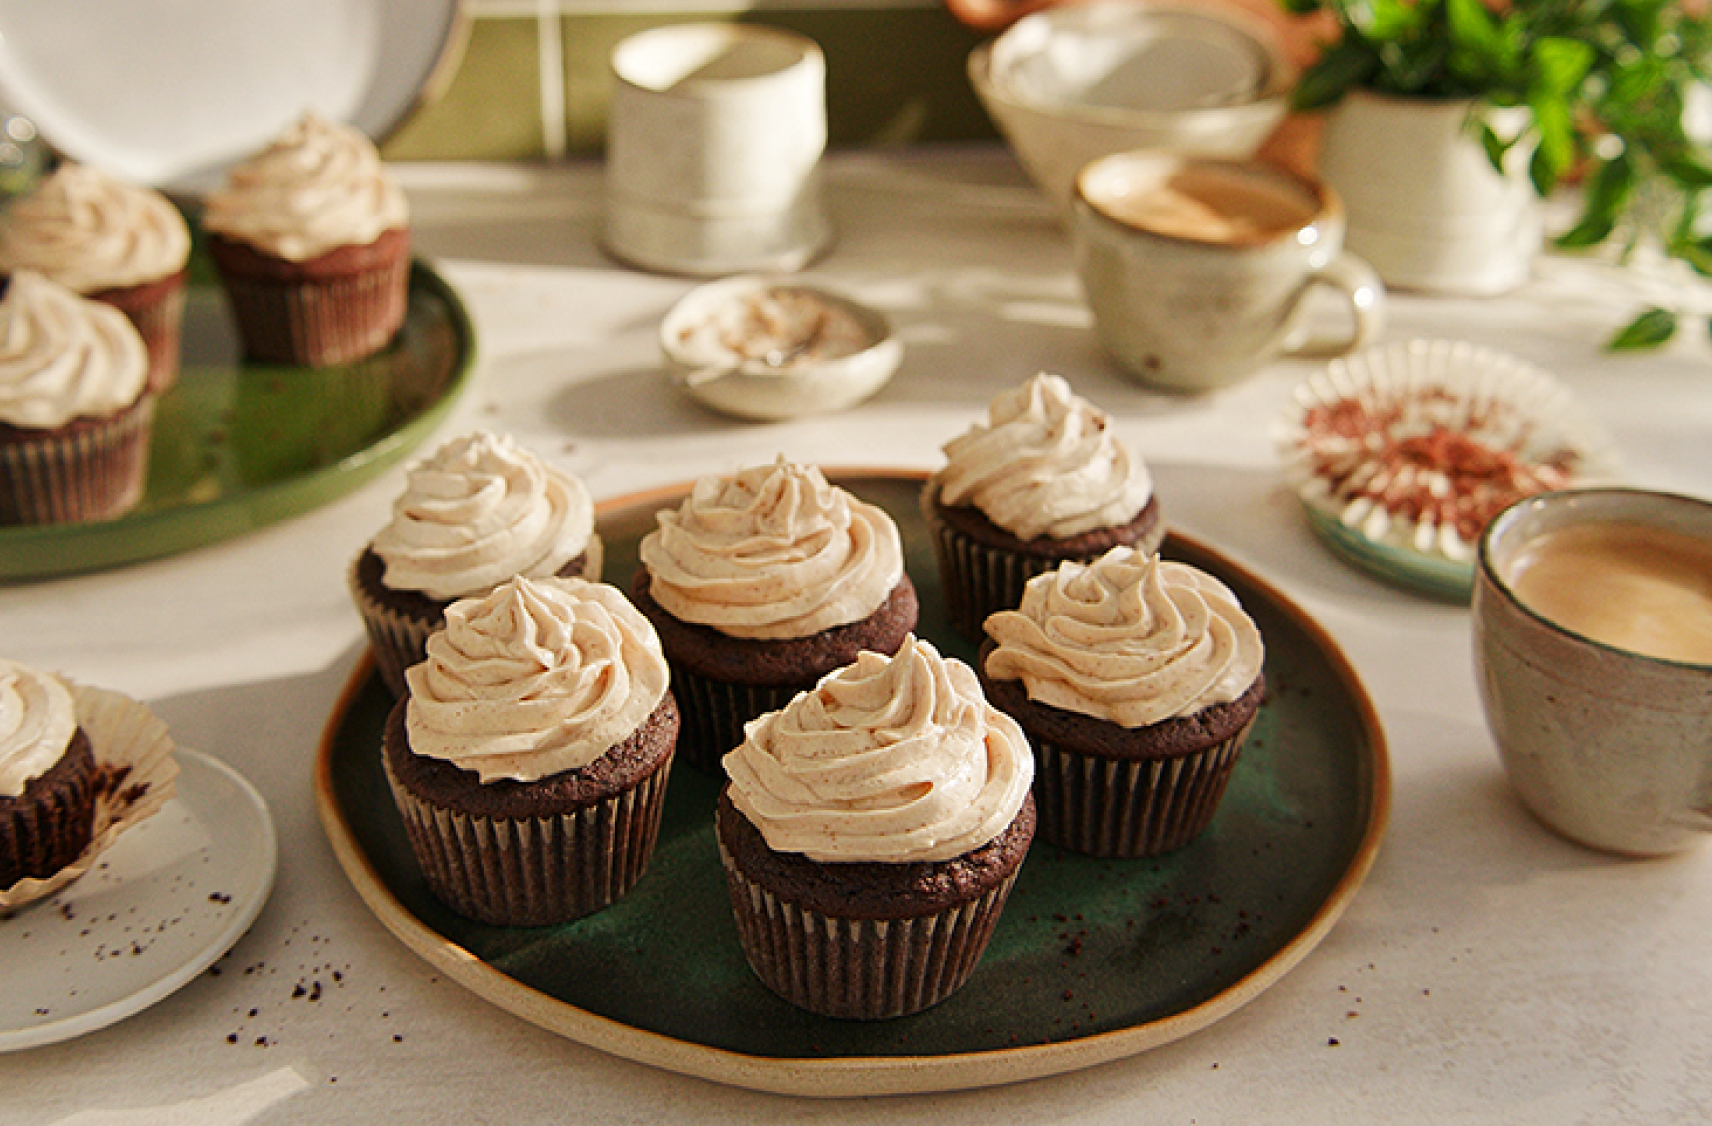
(895, 75)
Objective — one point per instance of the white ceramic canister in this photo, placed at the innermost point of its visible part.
(713, 150)
(1426, 207)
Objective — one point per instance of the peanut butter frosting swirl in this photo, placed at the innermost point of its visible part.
(771, 552)
(890, 759)
(1045, 463)
(64, 357)
(480, 510)
(319, 186)
(90, 232)
(1129, 638)
(534, 678)
(37, 720)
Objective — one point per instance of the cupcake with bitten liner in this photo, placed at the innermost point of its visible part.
(478, 511)
(762, 582)
(1137, 681)
(1042, 479)
(871, 832)
(76, 414)
(78, 766)
(311, 238)
(116, 242)
(530, 755)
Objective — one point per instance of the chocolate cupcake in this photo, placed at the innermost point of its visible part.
(1041, 480)
(311, 238)
(115, 242)
(1137, 681)
(529, 758)
(76, 415)
(761, 583)
(478, 511)
(871, 832)
(47, 776)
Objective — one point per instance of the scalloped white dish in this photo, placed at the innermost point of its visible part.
(1400, 454)
(170, 896)
(170, 94)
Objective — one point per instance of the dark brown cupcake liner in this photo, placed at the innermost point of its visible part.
(536, 871)
(714, 712)
(397, 639)
(157, 310)
(1130, 808)
(316, 321)
(92, 469)
(860, 969)
(978, 580)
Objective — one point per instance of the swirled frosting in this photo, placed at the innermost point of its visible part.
(891, 759)
(90, 232)
(770, 552)
(1128, 638)
(1045, 463)
(480, 510)
(319, 186)
(534, 678)
(37, 720)
(63, 356)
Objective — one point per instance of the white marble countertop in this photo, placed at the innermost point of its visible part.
(1486, 972)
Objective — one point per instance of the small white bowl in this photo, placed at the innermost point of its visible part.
(1069, 84)
(766, 349)
(1401, 453)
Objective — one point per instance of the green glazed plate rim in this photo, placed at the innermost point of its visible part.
(1436, 576)
(428, 364)
(1092, 960)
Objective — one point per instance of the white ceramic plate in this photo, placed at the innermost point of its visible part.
(169, 94)
(169, 897)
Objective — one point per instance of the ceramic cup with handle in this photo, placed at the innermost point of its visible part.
(1198, 271)
(1592, 621)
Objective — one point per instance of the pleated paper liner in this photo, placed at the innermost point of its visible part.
(133, 751)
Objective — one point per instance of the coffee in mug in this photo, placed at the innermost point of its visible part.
(1592, 616)
(1198, 270)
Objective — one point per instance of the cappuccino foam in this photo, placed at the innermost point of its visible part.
(1209, 205)
(1632, 586)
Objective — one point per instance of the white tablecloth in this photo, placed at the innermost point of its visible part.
(1487, 971)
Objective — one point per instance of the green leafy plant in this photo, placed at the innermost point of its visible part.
(1608, 83)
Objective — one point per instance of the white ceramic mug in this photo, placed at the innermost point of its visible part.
(1197, 270)
(713, 150)
(1592, 628)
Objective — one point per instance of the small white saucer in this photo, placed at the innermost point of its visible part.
(170, 896)
(768, 349)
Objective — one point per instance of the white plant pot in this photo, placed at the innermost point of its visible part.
(1426, 208)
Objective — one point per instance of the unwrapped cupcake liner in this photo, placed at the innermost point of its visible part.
(1414, 445)
(535, 871)
(1130, 808)
(714, 712)
(315, 322)
(133, 757)
(860, 969)
(94, 470)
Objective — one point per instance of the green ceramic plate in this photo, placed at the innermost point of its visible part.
(1092, 959)
(1418, 571)
(238, 446)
